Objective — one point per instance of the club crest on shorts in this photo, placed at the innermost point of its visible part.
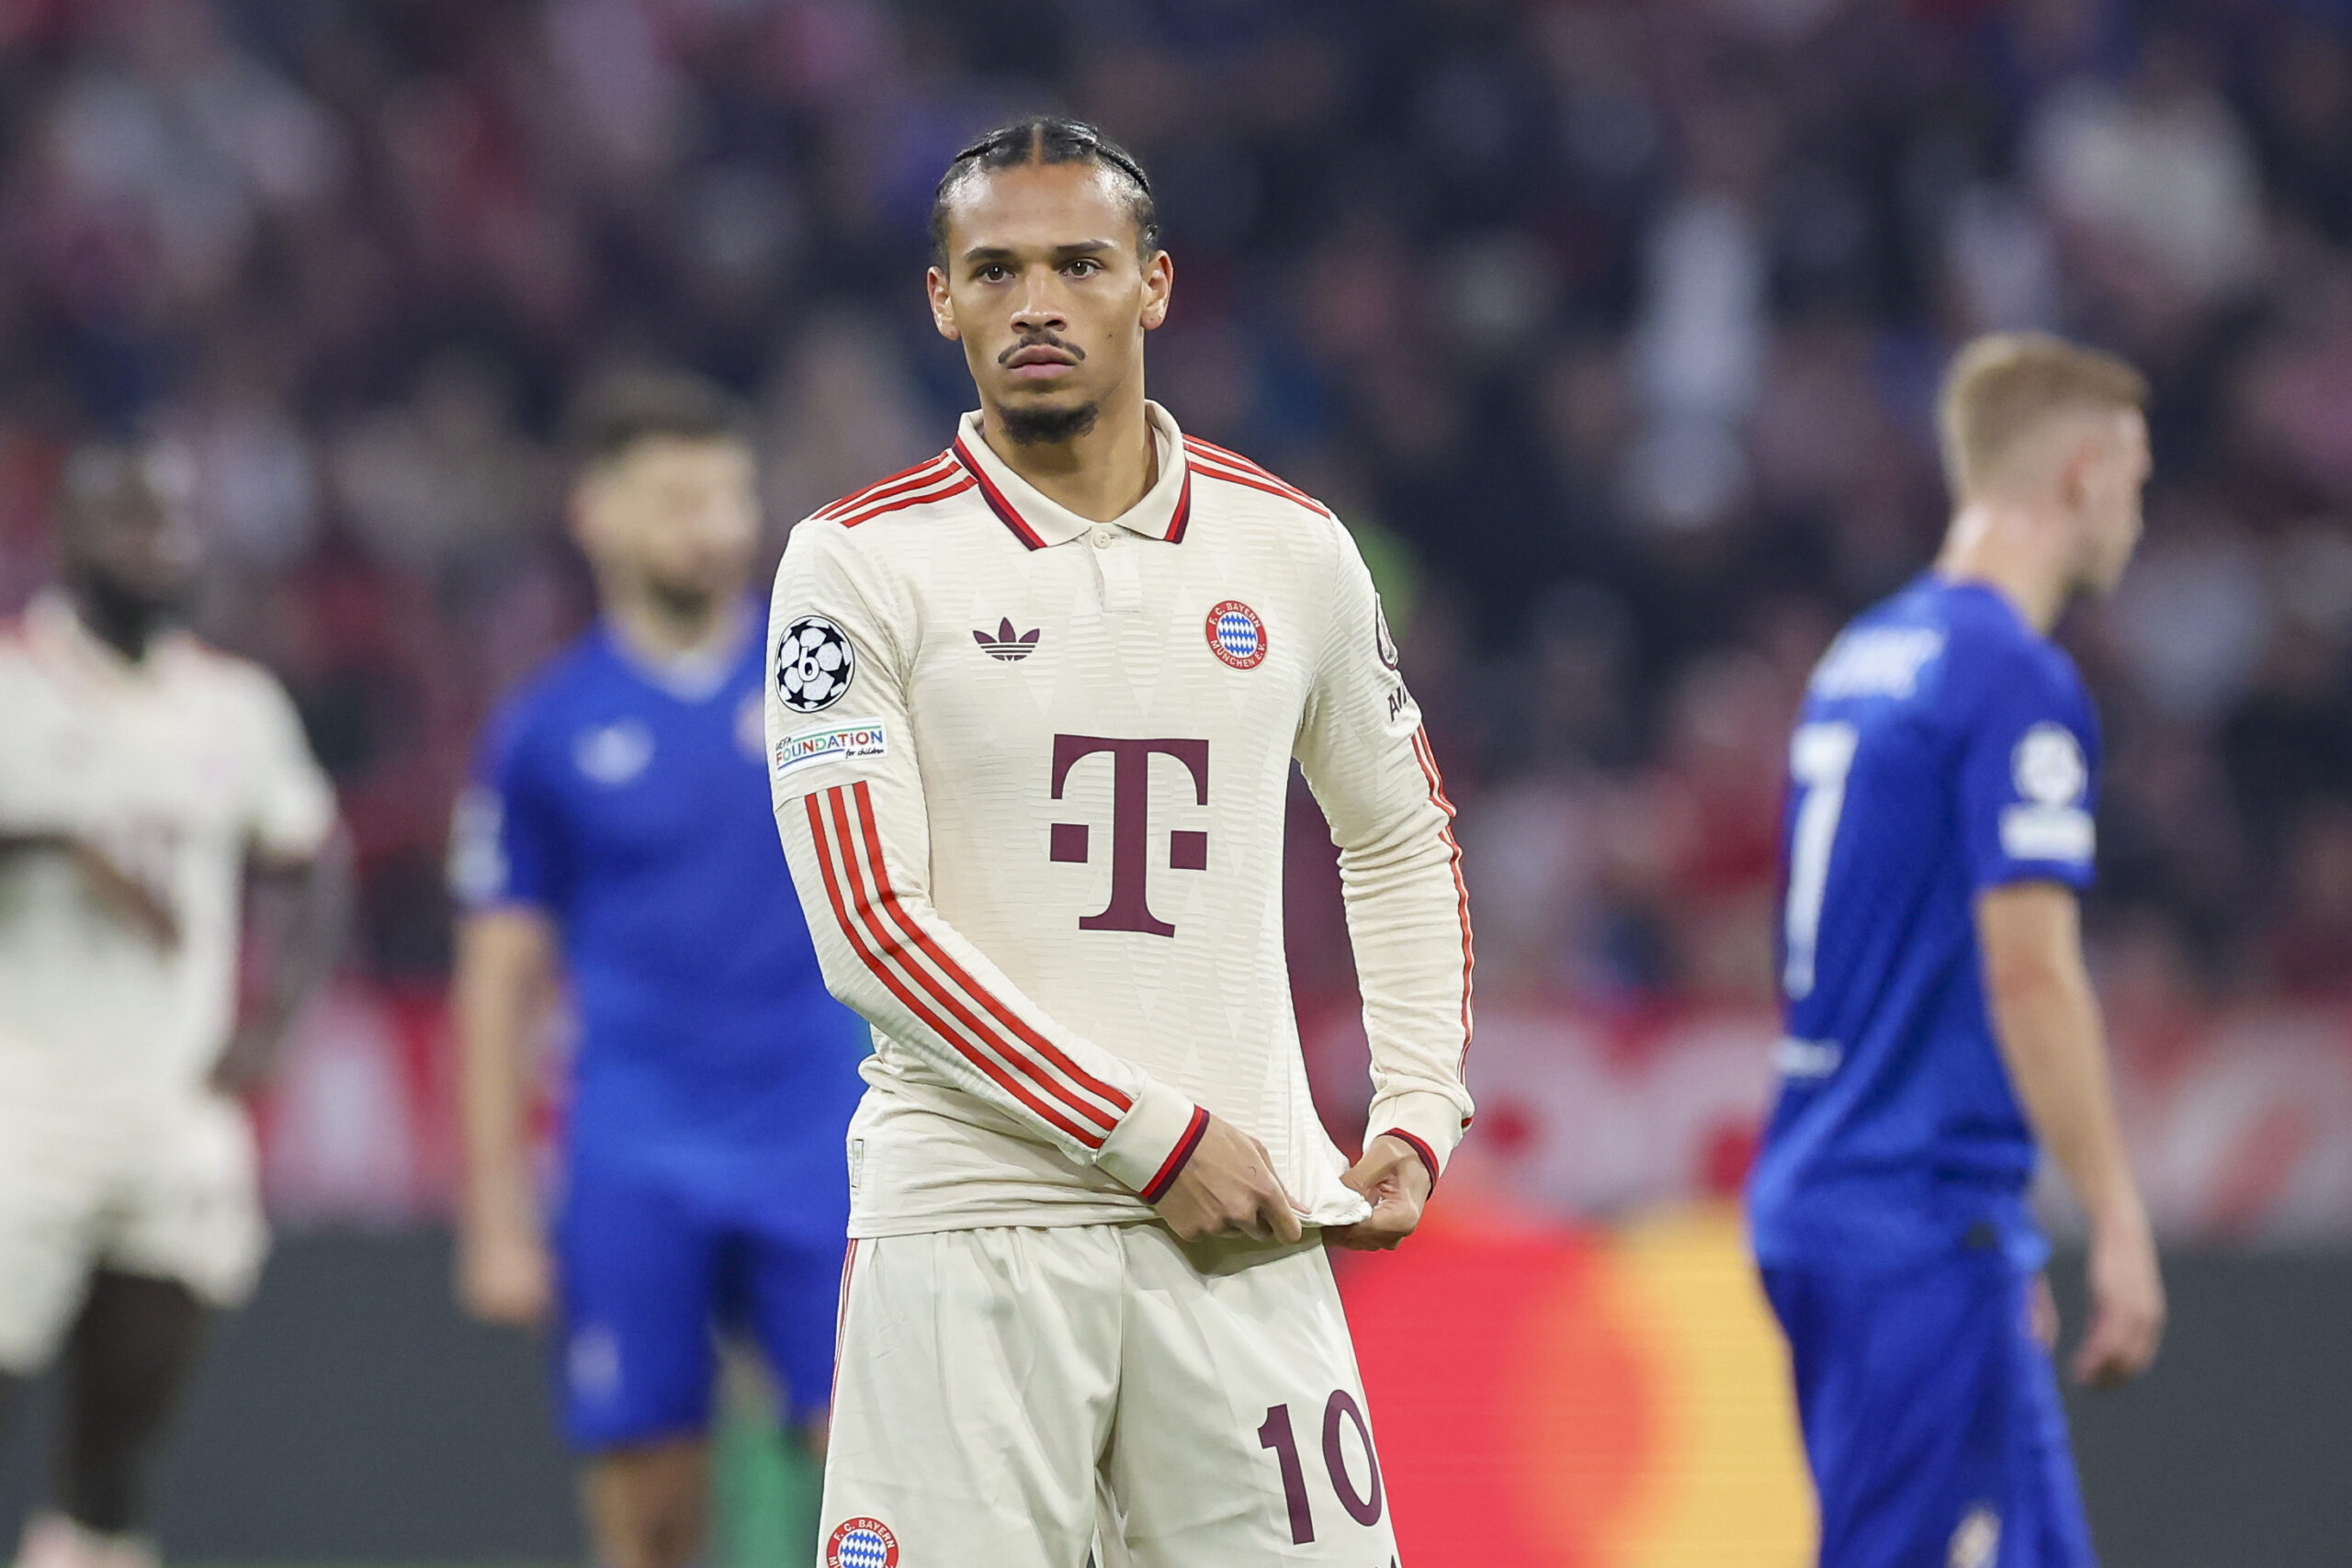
(862, 1543)
(814, 664)
(1237, 635)
(1977, 1541)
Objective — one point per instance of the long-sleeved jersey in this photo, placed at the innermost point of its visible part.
(1030, 770)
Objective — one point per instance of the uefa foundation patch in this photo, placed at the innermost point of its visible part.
(862, 1543)
(856, 738)
(1237, 634)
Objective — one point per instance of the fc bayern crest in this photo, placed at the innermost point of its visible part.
(1237, 634)
(814, 664)
(862, 1543)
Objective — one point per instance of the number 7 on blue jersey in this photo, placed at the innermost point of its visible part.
(1820, 756)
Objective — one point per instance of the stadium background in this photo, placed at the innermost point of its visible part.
(1612, 327)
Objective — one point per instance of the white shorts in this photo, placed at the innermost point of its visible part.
(168, 1191)
(1008, 1398)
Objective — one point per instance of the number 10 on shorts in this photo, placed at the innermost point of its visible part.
(1362, 1507)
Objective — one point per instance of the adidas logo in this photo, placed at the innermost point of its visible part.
(1005, 646)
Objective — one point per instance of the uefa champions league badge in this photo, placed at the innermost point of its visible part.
(814, 664)
(1237, 635)
(862, 1543)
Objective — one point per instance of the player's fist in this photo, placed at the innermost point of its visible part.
(1398, 1184)
(1229, 1185)
(2127, 1307)
(503, 1274)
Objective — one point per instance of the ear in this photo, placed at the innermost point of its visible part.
(1158, 282)
(943, 310)
(2074, 474)
(580, 513)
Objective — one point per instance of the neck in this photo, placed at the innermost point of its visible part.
(666, 627)
(2015, 550)
(1098, 475)
(124, 622)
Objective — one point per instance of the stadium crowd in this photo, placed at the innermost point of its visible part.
(1613, 328)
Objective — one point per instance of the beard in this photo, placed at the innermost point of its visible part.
(680, 601)
(124, 613)
(1049, 427)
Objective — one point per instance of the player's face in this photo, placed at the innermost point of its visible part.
(128, 527)
(2112, 482)
(675, 516)
(1047, 291)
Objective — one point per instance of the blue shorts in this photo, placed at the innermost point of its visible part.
(1931, 1416)
(650, 1272)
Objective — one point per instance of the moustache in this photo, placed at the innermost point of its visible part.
(1041, 339)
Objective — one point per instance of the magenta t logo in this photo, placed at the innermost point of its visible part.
(1129, 911)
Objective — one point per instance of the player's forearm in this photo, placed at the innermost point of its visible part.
(890, 957)
(1408, 928)
(2050, 1036)
(308, 923)
(498, 1008)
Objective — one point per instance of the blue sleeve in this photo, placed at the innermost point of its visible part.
(2029, 772)
(505, 840)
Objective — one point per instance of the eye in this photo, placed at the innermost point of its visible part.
(1084, 266)
(991, 272)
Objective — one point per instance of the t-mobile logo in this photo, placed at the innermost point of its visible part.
(1131, 824)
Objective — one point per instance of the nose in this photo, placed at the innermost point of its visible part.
(1041, 308)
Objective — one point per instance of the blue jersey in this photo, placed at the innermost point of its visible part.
(1944, 748)
(632, 808)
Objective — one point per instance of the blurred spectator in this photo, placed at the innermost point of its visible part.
(1613, 326)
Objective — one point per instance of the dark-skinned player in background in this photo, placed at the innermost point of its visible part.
(158, 804)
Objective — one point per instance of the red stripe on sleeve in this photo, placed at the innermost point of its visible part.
(1177, 1158)
(871, 866)
(856, 926)
(1428, 759)
(1428, 1156)
(956, 974)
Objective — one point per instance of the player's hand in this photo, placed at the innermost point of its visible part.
(2127, 1307)
(503, 1274)
(1229, 1185)
(2042, 1314)
(130, 899)
(1393, 1177)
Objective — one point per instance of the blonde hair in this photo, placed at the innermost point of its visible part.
(2004, 386)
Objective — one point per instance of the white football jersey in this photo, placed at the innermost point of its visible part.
(1030, 773)
(177, 766)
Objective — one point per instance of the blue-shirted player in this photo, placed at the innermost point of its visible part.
(618, 845)
(1940, 1025)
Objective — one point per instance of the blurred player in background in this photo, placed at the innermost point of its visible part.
(617, 844)
(1033, 710)
(142, 774)
(1941, 1022)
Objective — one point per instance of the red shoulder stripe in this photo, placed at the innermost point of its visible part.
(905, 479)
(1256, 470)
(902, 503)
(1199, 467)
